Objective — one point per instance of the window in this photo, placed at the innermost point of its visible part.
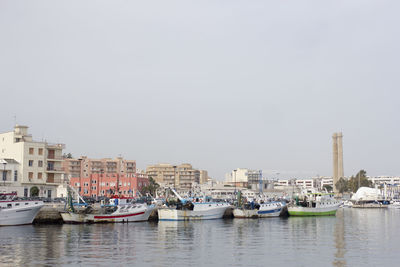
(15, 176)
(31, 151)
(30, 175)
(30, 163)
(40, 151)
(39, 175)
(40, 163)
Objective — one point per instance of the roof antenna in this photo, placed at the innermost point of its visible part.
(15, 120)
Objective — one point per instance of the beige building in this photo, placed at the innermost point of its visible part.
(204, 178)
(181, 176)
(39, 163)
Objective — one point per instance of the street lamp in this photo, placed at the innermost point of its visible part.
(100, 181)
(4, 172)
(235, 181)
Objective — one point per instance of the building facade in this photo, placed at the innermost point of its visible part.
(245, 177)
(181, 176)
(104, 177)
(39, 170)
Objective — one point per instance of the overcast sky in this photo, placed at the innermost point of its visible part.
(218, 84)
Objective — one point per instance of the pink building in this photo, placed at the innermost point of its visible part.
(104, 177)
(114, 184)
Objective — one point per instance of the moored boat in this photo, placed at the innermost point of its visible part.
(316, 204)
(17, 212)
(194, 211)
(186, 210)
(394, 204)
(263, 210)
(124, 213)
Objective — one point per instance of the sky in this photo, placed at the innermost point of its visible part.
(218, 84)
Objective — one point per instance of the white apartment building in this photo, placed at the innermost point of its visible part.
(300, 183)
(305, 183)
(389, 180)
(242, 175)
(9, 174)
(282, 182)
(36, 165)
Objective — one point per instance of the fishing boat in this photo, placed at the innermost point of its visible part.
(124, 213)
(17, 212)
(186, 210)
(315, 204)
(199, 211)
(119, 210)
(263, 210)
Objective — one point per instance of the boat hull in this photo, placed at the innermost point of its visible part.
(306, 211)
(370, 206)
(188, 215)
(116, 217)
(243, 213)
(19, 216)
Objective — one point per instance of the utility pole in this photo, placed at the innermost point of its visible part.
(235, 181)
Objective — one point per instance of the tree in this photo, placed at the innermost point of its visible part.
(360, 180)
(327, 187)
(68, 156)
(151, 187)
(342, 185)
(34, 191)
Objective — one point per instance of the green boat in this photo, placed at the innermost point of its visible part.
(316, 204)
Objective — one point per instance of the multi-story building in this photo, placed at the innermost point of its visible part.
(85, 167)
(245, 177)
(305, 183)
(282, 182)
(388, 180)
(204, 177)
(9, 175)
(104, 177)
(181, 177)
(39, 168)
(321, 182)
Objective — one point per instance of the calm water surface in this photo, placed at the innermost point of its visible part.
(355, 237)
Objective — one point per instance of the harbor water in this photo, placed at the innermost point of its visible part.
(355, 237)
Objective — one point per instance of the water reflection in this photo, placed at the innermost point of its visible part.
(353, 237)
(339, 239)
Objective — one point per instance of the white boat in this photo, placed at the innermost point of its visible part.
(394, 205)
(186, 210)
(125, 213)
(264, 210)
(17, 212)
(198, 211)
(346, 204)
(316, 204)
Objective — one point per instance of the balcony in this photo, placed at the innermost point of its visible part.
(55, 146)
(54, 158)
(52, 180)
(55, 169)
